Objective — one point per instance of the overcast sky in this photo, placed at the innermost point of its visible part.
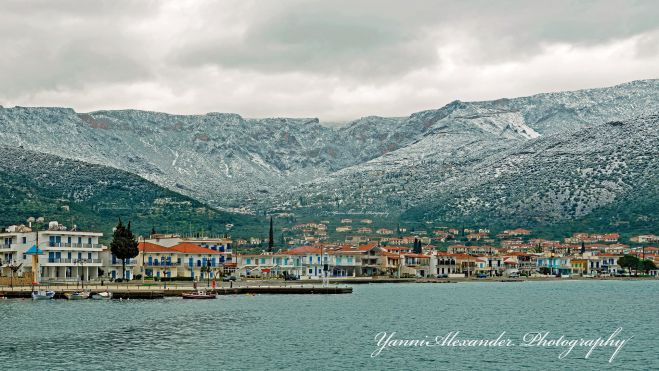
(334, 60)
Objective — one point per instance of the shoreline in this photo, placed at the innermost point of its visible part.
(270, 287)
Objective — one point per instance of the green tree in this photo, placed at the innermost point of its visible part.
(628, 262)
(647, 265)
(271, 238)
(417, 246)
(123, 245)
(538, 248)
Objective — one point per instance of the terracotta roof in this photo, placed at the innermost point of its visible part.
(190, 248)
(302, 250)
(517, 253)
(411, 255)
(152, 247)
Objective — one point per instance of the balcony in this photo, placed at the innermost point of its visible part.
(161, 264)
(73, 261)
(75, 245)
(128, 262)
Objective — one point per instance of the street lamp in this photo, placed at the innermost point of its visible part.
(81, 262)
(208, 271)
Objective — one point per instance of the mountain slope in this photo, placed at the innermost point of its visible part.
(606, 174)
(246, 164)
(94, 197)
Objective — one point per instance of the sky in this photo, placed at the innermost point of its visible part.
(335, 60)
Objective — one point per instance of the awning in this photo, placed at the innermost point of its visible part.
(34, 250)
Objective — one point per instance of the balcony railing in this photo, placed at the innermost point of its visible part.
(74, 261)
(75, 245)
(162, 264)
(58, 260)
(128, 262)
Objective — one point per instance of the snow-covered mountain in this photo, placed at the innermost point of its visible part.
(371, 164)
(612, 167)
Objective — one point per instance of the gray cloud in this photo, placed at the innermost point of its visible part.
(338, 60)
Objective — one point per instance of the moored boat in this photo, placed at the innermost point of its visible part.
(78, 295)
(199, 294)
(43, 295)
(105, 295)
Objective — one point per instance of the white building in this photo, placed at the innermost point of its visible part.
(68, 255)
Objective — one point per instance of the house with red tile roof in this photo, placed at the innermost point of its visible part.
(180, 260)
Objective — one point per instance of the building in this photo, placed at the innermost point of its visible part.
(443, 263)
(645, 238)
(223, 246)
(184, 259)
(68, 255)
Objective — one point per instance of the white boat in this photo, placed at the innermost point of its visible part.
(199, 294)
(78, 295)
(43, 295)
(105, 295)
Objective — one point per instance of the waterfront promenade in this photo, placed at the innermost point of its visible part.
(155, 290)
(160, 290)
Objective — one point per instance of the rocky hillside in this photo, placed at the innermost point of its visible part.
(94, 197)
(609, 169)
(374, 164)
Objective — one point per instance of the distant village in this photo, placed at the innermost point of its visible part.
(58, 253)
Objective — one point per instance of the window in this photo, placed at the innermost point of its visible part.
(24, 240)
(310, 271)
(248, 261)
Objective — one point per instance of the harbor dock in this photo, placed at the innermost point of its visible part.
(141, 292)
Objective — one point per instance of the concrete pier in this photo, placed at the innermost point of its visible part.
(141, 292)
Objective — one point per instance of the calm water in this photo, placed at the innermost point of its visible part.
(336, 332)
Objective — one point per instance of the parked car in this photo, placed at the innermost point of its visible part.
(228, 278)
(482, 275)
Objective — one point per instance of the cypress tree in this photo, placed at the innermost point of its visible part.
(123, 245)
(271, 241)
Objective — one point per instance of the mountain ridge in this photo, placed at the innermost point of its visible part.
(288, 164)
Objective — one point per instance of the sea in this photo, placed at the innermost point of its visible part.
(411, 326)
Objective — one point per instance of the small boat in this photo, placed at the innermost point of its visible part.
(43, 295)
(78, 295)
(199, 294)
(105, 295)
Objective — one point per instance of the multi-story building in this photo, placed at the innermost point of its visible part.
(222, 246)
(180, 260)
(68, 255)
(14, 242)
